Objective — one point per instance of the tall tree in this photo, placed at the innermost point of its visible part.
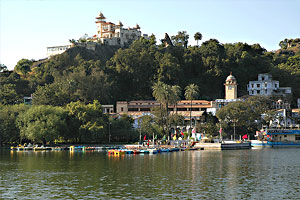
(181, 39)
(23, 66)
(191, 93)
(198, 36)
(165, 95)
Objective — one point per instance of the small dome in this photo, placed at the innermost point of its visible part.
(230, 78)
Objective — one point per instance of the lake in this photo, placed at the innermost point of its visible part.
(231, 174)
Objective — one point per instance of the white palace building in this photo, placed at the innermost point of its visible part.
(108, 33)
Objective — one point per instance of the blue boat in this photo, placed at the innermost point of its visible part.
(164, 150)
(278, 138)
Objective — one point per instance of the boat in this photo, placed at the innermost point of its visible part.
(115, 152)
(164, 150)
(21, 148)
(144, 151)
(153, 151)
(277, 138)
(228, 145)
(42, 148)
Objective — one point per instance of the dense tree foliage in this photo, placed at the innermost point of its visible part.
(109, 74)
(9, 131)
(244, 117)
(42, 124)
(74, 123)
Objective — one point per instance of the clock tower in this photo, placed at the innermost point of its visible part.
(230, 87)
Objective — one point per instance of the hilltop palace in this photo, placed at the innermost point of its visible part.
(108, 33)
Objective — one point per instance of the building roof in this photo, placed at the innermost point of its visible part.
(185, 114)
(230, 77)
(100, 16)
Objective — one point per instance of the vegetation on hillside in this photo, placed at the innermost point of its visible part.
(109, 74)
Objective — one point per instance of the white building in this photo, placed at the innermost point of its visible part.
(108, 33)
(107, 109)
(114, 34)
(51, 51)
(266, 86)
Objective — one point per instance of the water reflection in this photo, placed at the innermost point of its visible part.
(245, 174)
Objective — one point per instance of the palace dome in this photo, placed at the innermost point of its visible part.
(230, 78)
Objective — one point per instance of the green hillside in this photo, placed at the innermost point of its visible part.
(109, 74)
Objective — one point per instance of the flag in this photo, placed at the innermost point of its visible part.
(155, 138)
(220, 131)
(145, 137)
(174, 138)
(182, 133)
(245, 136)
(194, 130)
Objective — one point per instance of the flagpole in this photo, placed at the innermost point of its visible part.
(153, 140)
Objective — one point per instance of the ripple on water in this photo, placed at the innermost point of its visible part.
(270, 174)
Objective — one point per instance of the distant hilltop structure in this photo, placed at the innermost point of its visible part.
(108, 33)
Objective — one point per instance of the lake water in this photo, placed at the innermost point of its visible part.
(236, 174)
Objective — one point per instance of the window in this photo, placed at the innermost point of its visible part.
(144, 109)
(262, 78)
(252, 85)
(181, 109)
(258, 92)
(122, 109)
(284, 135)
(297, 137)
(133, 109)
(258, 85)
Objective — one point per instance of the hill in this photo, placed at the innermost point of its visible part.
(111, 74)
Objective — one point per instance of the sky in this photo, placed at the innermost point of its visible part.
(27, 27)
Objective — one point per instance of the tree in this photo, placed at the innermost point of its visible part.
(245, 116)
(9, 132)
(122, 131)
(23, 66)
(148, 126)
(181, 39)
(8, 94)
(191, 93)
(87, 121)
(42, 124)
(198, 36)
(165, 95)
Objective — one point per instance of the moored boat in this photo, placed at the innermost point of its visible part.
(277, 138)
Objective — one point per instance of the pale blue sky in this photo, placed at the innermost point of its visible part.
(27, 27)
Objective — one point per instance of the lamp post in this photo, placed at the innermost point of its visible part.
(108, 132)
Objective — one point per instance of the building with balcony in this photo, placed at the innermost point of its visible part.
(266, 86)
(137, 109)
